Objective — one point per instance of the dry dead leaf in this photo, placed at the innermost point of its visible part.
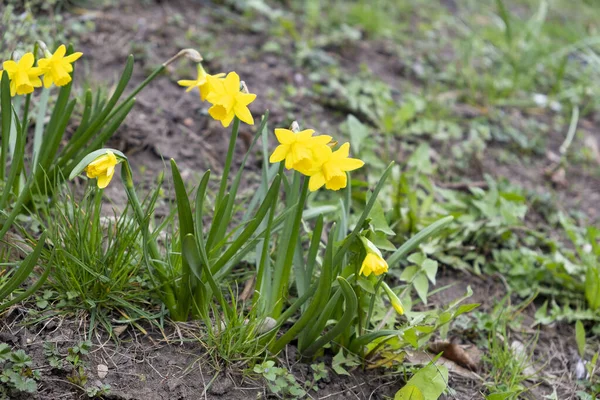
(119, 329)
(458, 354)
(559, 177)
(424, 358)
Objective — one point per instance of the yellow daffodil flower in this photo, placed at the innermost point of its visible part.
(23, 75)
(373, 262)
(297, 149)
(57, 68)
(333, 168)
(396, 303)
(202, 82)
(229, 101)
(102, 168)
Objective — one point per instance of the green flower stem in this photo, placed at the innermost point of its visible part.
(282, 272)
(263, 275)
(228, 160)
(149, 244)
(138, 89)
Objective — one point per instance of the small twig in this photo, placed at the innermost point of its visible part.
(248, 290)
(571, 132)
(463, 185)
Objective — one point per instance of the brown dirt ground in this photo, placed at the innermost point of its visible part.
(166, 122)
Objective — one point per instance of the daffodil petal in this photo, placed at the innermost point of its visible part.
(243, 113)
(10, 66)
(73, 57)
(103, 181)
(245, 98)
(305, 135)
(47, 81)
(285, 136)
(349, 164)
(279, 154)
(316, 182)
(321, 139)
(27, 60)
(343, 151)
(232, 83)
(60, 52)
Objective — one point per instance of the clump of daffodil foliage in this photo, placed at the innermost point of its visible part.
(327, 280)
(320, 274)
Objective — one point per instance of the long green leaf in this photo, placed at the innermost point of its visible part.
(341, 252)
(251, 227)
(344, 322)
(24, 269)
(6, 115)
(192, 255)
(417, 239)
(316, 305)
(188, 282)
(16, 165)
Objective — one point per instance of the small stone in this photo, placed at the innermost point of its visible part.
(102, 371)
(188, 122)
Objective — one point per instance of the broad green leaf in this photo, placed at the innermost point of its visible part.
(408, 273)
(416, 258)
(421, 285)
(417, 239)
(580, 337)
(358, 132)
(410, 335)
(430, 382)
(409, 392)
(592, 287)
(500, 395)
(430, 267)
(420, 159)
(465, 308)
(378, 220)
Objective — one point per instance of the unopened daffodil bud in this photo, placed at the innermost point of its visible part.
(396, 303)
(190, 54)
(373, 262)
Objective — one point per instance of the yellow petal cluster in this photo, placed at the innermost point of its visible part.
(312, 156)
(225, 94)
(201, 82)
(24, 77)
(373, 262)
(103, 168)
(228, 100)
(333, 168)
(298, 149)
(55, 68)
